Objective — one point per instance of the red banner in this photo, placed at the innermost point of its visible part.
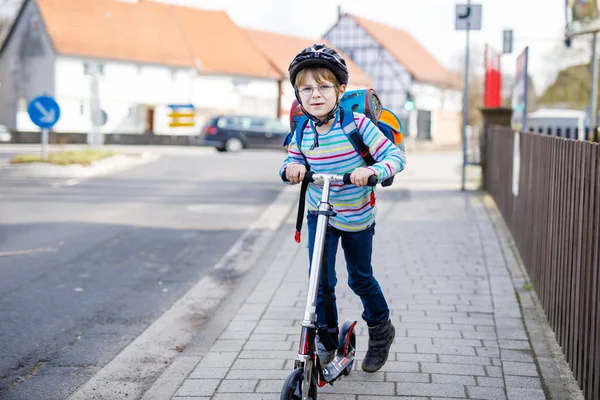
(493, 79)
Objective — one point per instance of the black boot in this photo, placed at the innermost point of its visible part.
(380, 341)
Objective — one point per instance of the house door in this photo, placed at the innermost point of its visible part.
(149, 120)
(423, 125)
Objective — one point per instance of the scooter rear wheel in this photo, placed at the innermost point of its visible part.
(292, 388)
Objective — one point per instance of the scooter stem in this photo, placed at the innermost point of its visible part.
(310, 312)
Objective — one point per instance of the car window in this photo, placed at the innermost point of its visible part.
(235, 122)
(276, 126)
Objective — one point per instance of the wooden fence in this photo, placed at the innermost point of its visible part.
(555, 221)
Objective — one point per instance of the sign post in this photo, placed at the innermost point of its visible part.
(468, 17)
(44, 112)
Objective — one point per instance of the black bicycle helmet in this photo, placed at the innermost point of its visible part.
(319, 55)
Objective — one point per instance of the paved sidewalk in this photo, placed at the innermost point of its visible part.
(460, 331)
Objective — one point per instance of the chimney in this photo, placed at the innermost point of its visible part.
(339, 10)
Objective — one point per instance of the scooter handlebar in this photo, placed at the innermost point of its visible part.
(309, 177)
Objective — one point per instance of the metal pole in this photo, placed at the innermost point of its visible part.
(465, 115)
(94, 136)
(44, 144)
(594, 91)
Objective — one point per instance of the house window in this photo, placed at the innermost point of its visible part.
(87, 68)
(81, 108)
(22, 104)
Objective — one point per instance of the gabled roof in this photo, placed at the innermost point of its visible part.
(410, 53)
(152, 32)
(281, 49)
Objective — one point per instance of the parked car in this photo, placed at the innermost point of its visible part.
(237, 132)
(4, 134)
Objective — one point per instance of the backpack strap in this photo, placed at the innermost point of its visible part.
(351, 130)
(304, 185)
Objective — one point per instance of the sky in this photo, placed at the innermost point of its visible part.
(538, 24)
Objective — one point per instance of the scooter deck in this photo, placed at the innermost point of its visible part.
(336, 367)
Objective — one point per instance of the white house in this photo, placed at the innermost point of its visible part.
(143, 55)
(402, 68)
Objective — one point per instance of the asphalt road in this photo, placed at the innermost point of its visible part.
(86, 266)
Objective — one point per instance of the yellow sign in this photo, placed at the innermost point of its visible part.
(182, 115)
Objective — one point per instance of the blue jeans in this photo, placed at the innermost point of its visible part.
(358, 247)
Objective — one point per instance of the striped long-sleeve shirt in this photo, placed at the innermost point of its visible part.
(336, 155)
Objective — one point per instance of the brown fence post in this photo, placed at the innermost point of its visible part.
(491, 116)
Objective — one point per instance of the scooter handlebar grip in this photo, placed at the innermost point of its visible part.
(308, 177)
(371, 182)
(284, 176)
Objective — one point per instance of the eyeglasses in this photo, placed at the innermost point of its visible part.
(309, 90)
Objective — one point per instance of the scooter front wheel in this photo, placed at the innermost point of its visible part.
(292, 388)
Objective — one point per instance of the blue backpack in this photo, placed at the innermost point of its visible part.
(363, 101)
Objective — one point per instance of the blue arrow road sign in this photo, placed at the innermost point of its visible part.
(44, 111)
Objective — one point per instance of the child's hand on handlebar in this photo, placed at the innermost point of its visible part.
(295, 173)
(360, 176)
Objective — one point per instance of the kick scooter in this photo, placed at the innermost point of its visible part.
(308, 375)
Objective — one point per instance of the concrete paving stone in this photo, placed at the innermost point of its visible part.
(198, 387)
(431, 307)
(518, 368)
(516, 355)
(479, 335)
(190, 398)
(398, 346)
(494, 372)
(400, 366)
(465, 360)
(523, 382)
(233, 335)
(406, 377)
(453, 369)
(388, 397)
(268, 337)
(412, 340)
(493, 382)
(228, 345)
(237, 386)
(252, 309)
(242, 325)
(434, 333)
(277, 329)
(512, 334)
(486, 393)
(453, 379)
(248, 317)
(407, 313)
(266, 354)
(457, 342)
(457, 327)
(488, 351)
(450, 314)
(425, 319)
(430, 389)
(265, 321)
(488, 308)
(258, 374)
(270, 386)
(209, 373)
(493, 344)
(247, 396)
(358, 388)
(485, 328)
(451, 350)
(357, 375)
(507, 322)
(514, 344)
(525, 394)
(474, 321)
(416, 357)
(256, 345)
(214, 359)
(414, 325)
(261, 363)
